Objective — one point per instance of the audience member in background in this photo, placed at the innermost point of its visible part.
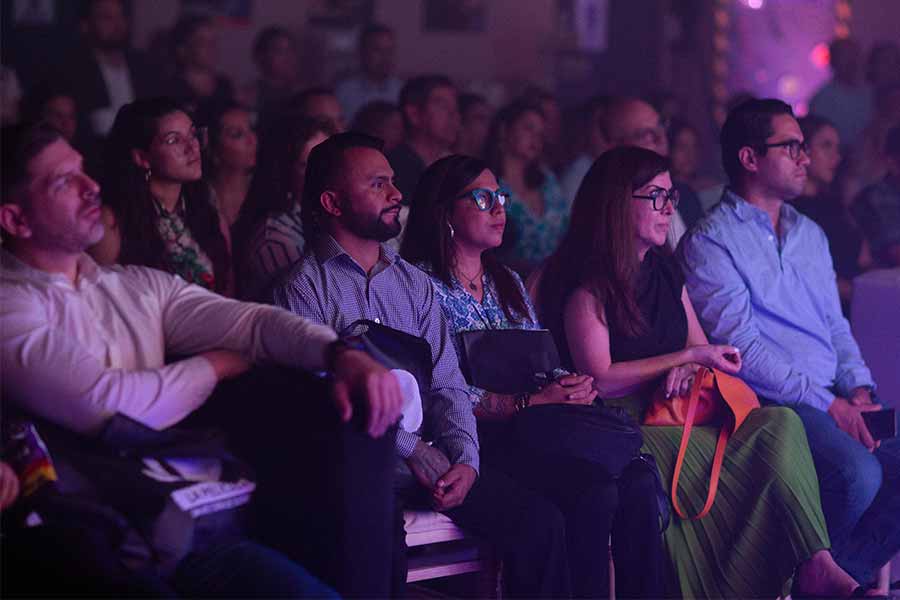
(196, 80)
(55, 106)
(105, 72)
(870, 163)
(275, 56)
(685, 155)
(615, 300)
(431, 118)
(878, 208)
(10, 96)
(552, 155)
(845, 100)
(761, 277)
(475, 120)
(230, 157)
(538, 213)
(268, 237)
(382, 120)
(157, 210)
(313, 103)
(350, 208)
(821, 202)
(82, 342)
(883, 65)
(633, 122)
(591, 130)
(376, 79)
(455, 224)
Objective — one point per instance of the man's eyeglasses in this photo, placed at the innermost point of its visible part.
(175, 138)
(486, 199)
(794, 148)
(659, 197)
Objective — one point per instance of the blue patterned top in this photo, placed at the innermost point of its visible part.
(464, 313)
(533, 238)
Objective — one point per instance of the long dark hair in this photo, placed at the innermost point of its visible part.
(493, 146)
(598, 252)
(127, 192)
(271, 192)
(427, 236)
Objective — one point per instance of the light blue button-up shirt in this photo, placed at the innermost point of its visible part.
(776, 299)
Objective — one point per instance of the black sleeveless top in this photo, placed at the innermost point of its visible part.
(658, 288)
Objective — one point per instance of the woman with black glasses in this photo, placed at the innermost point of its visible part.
(157, 210)
(455, 224)
(615, 301)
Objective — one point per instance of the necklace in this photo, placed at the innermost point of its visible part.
(471, 280)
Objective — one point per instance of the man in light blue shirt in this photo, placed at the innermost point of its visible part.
(761, 278)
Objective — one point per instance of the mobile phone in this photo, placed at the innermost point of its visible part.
(882, 423)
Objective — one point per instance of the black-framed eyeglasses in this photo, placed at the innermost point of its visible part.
(659, 197)
(486, 199)
(794, 148)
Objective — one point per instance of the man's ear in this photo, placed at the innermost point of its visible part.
(748, 159)
(140, 158)
(330, 203)
(13, 220)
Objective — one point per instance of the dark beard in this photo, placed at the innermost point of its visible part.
(375, 228)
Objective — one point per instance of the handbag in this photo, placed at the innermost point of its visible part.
(508, 361)
(392, 348)
(715, 397)
(161, 494)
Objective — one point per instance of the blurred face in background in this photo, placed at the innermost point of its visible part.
(523, 139)
(237, 142)
(279, 60)
(685, 154)
(638, 124)
(377, 55)
(106, 25)
(476, 121)
(824, 155)
(60, 113)
(438, 118)
(326, 106)
(201, 50)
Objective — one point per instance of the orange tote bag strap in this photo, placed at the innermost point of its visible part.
(719, 455)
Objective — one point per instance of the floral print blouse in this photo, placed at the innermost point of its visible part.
(464, 313)
(532, 238)
(183, 254)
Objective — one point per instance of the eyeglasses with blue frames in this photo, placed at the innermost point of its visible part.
(794, 148)
(659, 196)
(486, 199)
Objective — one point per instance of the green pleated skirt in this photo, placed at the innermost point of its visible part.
(766, 519)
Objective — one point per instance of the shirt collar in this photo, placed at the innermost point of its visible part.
(747, 212)
(327, 248)
(88, 270)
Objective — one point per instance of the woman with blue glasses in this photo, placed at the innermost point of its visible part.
(455, 225)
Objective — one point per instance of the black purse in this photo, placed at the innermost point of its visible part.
(393, 348)
(508, 361)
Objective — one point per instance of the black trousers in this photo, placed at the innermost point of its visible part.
(324, 495)
(594, 507)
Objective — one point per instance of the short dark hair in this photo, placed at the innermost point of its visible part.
(415, 91)
(372, 30)
(324, 168)
(748, 124)
(19, 144)
(267, 37)
(186, 27)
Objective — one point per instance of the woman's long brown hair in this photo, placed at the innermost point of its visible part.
(598, 251)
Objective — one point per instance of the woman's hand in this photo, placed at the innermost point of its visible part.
(680, 379)
(571, 389)
(714, 356)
